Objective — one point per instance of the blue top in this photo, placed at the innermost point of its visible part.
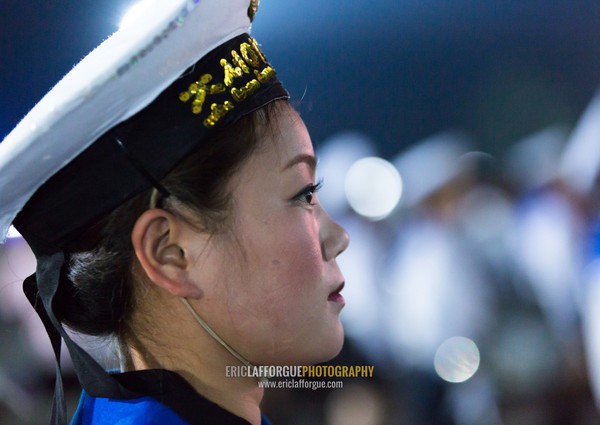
(139, 411)
(165, 399)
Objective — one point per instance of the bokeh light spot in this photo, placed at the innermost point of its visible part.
(457, 359)
(373, 187)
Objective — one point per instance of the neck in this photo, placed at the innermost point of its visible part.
(201, 360)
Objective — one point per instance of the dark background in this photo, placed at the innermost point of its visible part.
(397, 70)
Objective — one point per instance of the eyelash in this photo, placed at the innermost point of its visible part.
(308, 192)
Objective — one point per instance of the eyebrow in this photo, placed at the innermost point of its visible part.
(310, 160)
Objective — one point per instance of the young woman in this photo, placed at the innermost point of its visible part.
(189, 229)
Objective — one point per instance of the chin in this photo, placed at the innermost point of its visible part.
(310, 350)
(331, 346)
(340, 342)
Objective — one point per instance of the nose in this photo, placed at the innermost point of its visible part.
(334, 238)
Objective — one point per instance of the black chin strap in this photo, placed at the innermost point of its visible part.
(42, 286)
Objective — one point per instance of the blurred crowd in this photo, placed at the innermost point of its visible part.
(472, 286)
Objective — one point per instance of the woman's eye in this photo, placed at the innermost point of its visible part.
(308, 197)
(307, 194)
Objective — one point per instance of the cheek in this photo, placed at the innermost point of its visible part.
(289, 259)
(275, 294)
(284, 271)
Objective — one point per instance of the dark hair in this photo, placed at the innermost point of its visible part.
(96, 297)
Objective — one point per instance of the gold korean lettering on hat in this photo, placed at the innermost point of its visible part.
(246, 61)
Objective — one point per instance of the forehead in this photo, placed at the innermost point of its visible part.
(286, 141)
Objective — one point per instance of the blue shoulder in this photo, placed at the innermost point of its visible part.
(139, 411)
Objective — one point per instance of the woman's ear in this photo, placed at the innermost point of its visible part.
(159, 244)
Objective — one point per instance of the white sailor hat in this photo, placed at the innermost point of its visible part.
(145, 97)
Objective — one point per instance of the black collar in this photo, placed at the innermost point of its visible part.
(177, 394)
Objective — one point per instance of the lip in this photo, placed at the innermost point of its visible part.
(336, 297)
